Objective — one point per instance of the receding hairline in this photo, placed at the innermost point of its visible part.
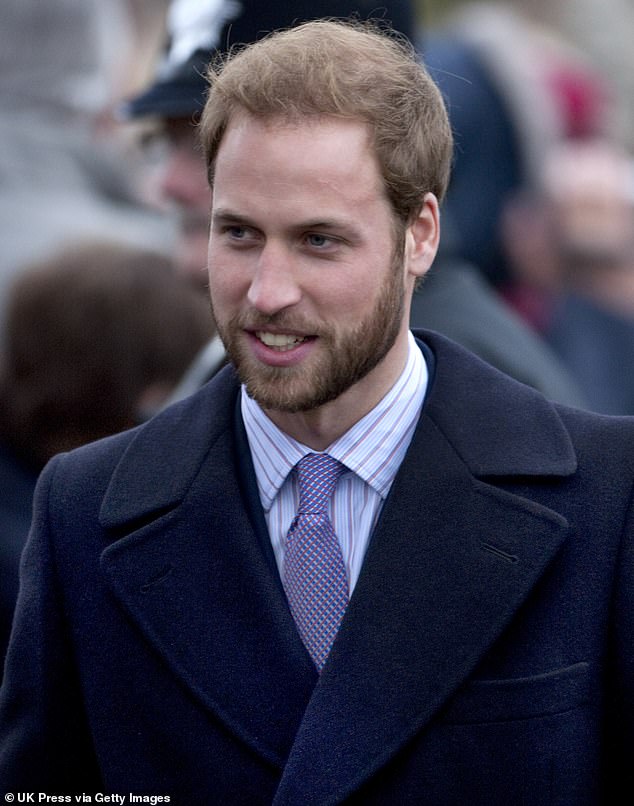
(347, 69)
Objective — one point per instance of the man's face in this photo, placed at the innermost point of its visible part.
(184, 186)
(309, 292)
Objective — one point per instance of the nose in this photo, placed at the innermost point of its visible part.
(274, 285)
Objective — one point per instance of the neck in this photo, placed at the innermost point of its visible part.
(318, 428)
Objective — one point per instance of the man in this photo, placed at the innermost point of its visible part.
(197, 31)
(379, 571)
(457, 301)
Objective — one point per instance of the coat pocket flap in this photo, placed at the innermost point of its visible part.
(521, 698)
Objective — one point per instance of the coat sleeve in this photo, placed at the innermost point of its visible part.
(44, 741)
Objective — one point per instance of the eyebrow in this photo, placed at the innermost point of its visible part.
(224, 216)
(227, 216)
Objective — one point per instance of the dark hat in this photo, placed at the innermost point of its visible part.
(198, 29)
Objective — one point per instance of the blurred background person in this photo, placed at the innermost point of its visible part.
(570, 240)
(456, 300)
(588, 191)
(95, 338)
(67, 168)
(539, 146)
(514, 88)
(600, 30)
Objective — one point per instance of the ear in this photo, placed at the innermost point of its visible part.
(422, 238)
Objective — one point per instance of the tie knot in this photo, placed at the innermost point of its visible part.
(318, 474)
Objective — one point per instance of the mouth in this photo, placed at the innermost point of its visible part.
(280, 342)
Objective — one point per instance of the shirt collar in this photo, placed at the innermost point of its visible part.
(373, 448)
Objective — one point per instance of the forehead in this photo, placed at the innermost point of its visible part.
(322, 153)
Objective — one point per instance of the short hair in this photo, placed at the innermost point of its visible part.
(349, 69)
(88, 331)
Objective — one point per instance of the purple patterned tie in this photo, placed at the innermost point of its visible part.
(314, 573)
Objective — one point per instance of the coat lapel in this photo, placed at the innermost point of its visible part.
(451, 560)
(191, 573)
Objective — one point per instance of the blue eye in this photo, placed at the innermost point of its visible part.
(239, 234)
(319, 241)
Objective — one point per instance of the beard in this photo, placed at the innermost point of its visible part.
(346, 354)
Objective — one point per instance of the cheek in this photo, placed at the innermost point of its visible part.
(227, 284)
(220, 290)
(345, 305)
(217, 276)
(337, 288)
(363, 287)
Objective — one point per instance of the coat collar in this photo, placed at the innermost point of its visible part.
(451, 560)
(173, 446)
(498, 427)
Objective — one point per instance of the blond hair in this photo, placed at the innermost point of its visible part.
(345, 69)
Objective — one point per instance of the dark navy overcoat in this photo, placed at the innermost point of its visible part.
(486, 657)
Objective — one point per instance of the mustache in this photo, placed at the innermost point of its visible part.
(282, 321)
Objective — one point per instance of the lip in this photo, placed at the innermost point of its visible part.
(280, 358)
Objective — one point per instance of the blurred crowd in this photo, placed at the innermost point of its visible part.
(542, 195)
(104, 203)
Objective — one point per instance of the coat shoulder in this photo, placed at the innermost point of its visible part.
(501, 426)
(600, 437)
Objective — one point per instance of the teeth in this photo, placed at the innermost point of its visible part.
(279, 341)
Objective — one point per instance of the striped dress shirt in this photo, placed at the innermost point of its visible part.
(372, 451)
